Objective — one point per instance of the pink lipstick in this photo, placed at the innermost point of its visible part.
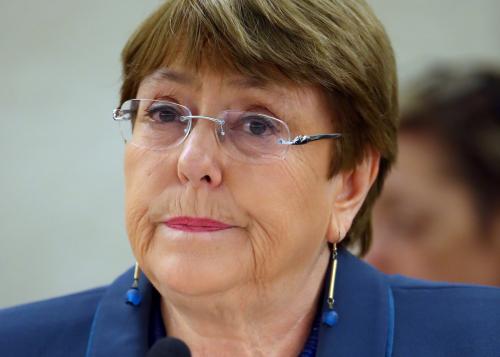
(194, 224)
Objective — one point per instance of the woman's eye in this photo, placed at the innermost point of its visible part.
(163, 113)
(258, 126)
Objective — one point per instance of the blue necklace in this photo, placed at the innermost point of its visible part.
(309, 349)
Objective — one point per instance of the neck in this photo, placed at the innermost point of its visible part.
(271, 320)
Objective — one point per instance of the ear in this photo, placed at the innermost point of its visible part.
(349, 189)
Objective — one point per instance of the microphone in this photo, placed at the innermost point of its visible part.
(169, 347)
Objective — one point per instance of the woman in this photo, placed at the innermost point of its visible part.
(262, 131)
(438, 217)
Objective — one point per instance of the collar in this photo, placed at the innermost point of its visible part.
(362, 300)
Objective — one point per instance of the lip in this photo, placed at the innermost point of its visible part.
(196, 224)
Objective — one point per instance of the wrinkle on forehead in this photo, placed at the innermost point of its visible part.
(193, 77)
(196, 77)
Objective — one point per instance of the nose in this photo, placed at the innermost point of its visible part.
(199, 162)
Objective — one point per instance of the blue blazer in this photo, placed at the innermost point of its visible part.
(379, 315)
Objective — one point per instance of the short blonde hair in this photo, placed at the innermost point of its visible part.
(339, 45)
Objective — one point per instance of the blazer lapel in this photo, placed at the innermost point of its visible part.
(120, 329)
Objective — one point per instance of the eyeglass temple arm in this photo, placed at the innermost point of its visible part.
(304, 139)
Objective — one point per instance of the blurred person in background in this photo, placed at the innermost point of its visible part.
(438, 217)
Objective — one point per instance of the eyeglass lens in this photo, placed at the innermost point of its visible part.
(246, 136)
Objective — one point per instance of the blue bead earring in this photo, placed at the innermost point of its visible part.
(330, 317)
(134, 296)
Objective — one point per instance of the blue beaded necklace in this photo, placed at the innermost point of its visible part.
(309, 349)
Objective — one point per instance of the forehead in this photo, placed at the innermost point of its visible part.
(267, 82)
(179, 70)
(195, 78)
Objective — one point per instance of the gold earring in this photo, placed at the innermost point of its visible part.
(330, 317)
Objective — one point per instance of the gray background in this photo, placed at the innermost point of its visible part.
(61, 186)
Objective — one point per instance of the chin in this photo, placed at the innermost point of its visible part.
(194, 275)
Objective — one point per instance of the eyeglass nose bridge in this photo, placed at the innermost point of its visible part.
(219, 122)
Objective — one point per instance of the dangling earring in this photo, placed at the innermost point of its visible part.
(134, 296)
(330, 317)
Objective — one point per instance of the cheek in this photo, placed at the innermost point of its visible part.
(304, 190)
(143, 182)
(139, 229)
(288, 210)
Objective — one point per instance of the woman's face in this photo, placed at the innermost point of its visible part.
(425, 224)
(276, 215)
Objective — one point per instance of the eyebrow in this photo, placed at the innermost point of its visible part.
(187, 79)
